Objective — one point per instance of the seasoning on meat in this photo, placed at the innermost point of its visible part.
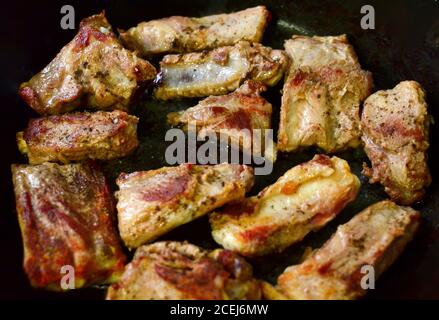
(66, 215)
(374, 238)
(151, 203)
(322, 95)
(181, 271)
(304, 199)
(236, 116)
(395, 126)
(92, 71)
(183, 34)
(79, 136)
(219, 71)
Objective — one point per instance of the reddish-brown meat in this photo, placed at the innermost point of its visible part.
(373, 238)
(303, 200)
(395, 125)
(173, 270)
(79, 136)
(92, 71)
(66, 215)
(235, 116)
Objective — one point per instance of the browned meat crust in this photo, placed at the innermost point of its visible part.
(66, 215)
(219, 71)
(303, 200)
(151, 203)
(79, 136)
(235, 115)
(375, 237)
(173, 270)
(322, 95)
(92, 71)
(182, 34)
(395, 126)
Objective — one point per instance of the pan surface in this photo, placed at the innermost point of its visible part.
(403, 46)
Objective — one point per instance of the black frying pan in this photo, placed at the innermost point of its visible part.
(404, 45)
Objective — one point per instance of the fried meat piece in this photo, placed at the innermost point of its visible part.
(304, 199)
(79, 136)
(374, 238)
(243, 116)
(183, 34)
(181, 271)
(92, 71)
(218, 71)
(322, 95)
(151, 203)
(66, 215)
(395, 127)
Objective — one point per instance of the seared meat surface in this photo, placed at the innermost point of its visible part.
(181, 271)
(395, 126)
(66, 215)
(69, 217)
(92, 71)
(235, 116)
(183, 34)
(375, 237)
(219, 71)
(322, 95)
(79, 136)
(151, 203)
(304, 199)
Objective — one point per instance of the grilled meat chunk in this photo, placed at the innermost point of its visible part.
(395, 127)
(151, 203)
(218, 71)
(93, 70)
(182, 34)
(66, 215)
(375, 238)
(322, 95)
(177, 271)
(304, 199)
(70, 137)
(242, 116)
